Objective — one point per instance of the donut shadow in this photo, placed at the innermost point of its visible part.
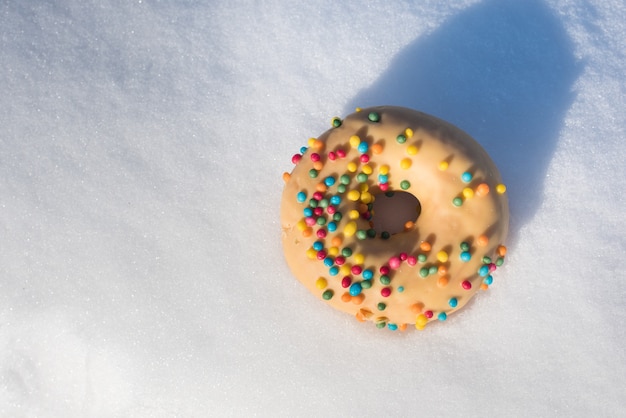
(501, 70)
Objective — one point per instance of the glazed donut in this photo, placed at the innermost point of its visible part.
(448, 244)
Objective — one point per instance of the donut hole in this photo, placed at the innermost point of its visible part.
(392, 210)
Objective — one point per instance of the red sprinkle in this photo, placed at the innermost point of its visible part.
(384, 270)
(346, 282)
(321, 233)
(428, 314)
(340, 260)
(411, 260)
(341, 153)
(385, 292)
(318, 211)
(466, 285)
(332, 156)
(315, 157)
(403, 256)
(321, 255)
(296, 158)
(356, 269)
(364, 158)
(318, 196)
(331, 209)
(383, 187)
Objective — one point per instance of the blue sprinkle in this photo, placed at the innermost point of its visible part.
(483, 271)
(466, 177)
(308, 212)
(368, 274)
(303, 150)
(442, 316)
(301, 196)
(466, 256)
(328, 262)
(329, 181)
(332, 226)
(392, 327)
(333, 271)
(453, 302)
(355, 289)
(400, 289)
(363, 147)
(318, 245)
(488, 280)
(335, 200)
(383, 178)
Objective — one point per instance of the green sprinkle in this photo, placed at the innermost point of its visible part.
(341, 188)
(486, 260)
(385, 235)
(328, 294)
(421, 258)
(374, 117)
(499, 261)
(381, 306)
(464, 246)
(432, 270)
(324, 203)
(337, 216)
(457, 201)
(405, 184)
(371, 233)
(344, 179)
(366, 284)
(313, 203)
(381, 325)
(401, 139)
(361, 234)
(313, 173)
(390, 193)
(384, 279)
(361, 177)
(321, 221)
(424, 271)
(336, 122)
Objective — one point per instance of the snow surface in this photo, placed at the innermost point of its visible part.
(141, 150)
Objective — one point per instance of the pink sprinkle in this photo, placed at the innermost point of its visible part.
(331, 209)
(296, 158)
(356, 269)
(384, 270)
(340, 260)
(365, 158)
(394, 262)
(466, 285)
(411, 260)
(341, 153)
(403, 256)
(315, 157)
(428, 314)
(309, 221)
(385, 292)
(332, 156)
(321, 233)
(318, 195)
(383, 187)
(346, 282)
(492, 267)
(321, 255)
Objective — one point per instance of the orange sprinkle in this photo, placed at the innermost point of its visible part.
(442, 281)
(442, 270)
(286, 176)
(336, 241)
(417, 307)
(501, 250)
(376, 148)
(482, 189)
(346, 297)
(307, 232)
(484, 286)
(359, 316)
(409, 225)
(425, 246)
(402, 327)
(318, 165)
(357, 300)
(318, 145)
(321, 187)
(482, 240)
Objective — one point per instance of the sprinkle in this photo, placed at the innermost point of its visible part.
(400, 289)
(464, 246)
(465, 256)
(346, 297)
(411, 260)
(421, 321)
(364, 158)
(482, 240)
(405, 184)
(296, 158)
(374, 117)
(443, 166)
(488, 280)
(457, 201)
(346, 282)
(311, 253)
(332, 156)
(385, 292)
(354, 141)
(361, 234)
(351, 167)
(424, 272)
(417, 307)
(307, 232)
(333, 271)
(361, 177)
(428, 314)
(384, 279)
(315, 157)
(357, 300)
(482, 190)
(359, 258)
(483, 270)
(421, 258)
(368, 274)
(425, 246)
(394, 262)
(432, 270)
(286, 177)
(335, 122)
(412, 149)
(376, 149)
(332, 226)
(401, 139)
(344, 179)
(442, 256)
(442, 281)
(384, 270)
(405, 163)
(383, 178)
(468, 192)
(355, 289)
(499, 261)
(392, 327)
(366, 284)
(466, 284)
(301, 197)
(328, 294)
(500, 188)
(363, 147)
(367, 169)
(381, 306)
(409, 132)
(356, 270)
(341, 153)
(329, 181)
(321, 283)
(313, 173)
(349, 229)
(354, 195)
(501, 251)
(453, 302)
(442, 316)
(466, 177)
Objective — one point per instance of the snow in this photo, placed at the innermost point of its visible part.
(141, 151)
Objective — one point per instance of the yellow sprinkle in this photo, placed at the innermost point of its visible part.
(301, 225)
(411, 149)
(501, 188)
(359, 258)
(333, 251)
(353, 214)
(443, 166)
(367, 169)
(468, 193)
(384, 169)
(354, 195)
(311, 253)
(351, 167)
(358, 109)
(366, 197)
(442, 256)
(344, 270)
(406, 163)
(421, 321)
(349, 229)
(363, 187)
(355, 141)
(321, 283)
(311, 141)
(408, 132)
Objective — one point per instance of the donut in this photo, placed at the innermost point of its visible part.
(394, 216)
